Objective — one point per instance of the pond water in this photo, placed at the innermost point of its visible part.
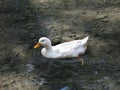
(23, 22)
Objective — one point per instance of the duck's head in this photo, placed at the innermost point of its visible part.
(43, 41)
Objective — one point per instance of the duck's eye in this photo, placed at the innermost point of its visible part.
(42, 40)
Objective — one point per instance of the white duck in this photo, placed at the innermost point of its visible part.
(64, 50)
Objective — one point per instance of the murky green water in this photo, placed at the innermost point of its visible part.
(23, 22)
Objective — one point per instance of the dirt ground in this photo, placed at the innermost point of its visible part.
(23, 22)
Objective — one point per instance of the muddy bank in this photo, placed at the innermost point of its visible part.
(22, 22)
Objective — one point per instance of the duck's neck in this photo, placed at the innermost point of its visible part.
(48, 47)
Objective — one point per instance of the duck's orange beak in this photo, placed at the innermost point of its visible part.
(37, 45)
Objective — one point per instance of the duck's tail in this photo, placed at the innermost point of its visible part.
(84, 41)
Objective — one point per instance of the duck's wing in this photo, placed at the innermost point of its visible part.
(69, 49)
(84, 41)
(73, 44)
(69, 45)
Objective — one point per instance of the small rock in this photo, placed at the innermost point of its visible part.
(77, 36)
(65, 88)
(116, 8)
(106, 88)
(101, 16)
(71, 35)
(30, 67)
(106, 77)
(95, 72)
(42, 81)
(105, 20)
(56, 41)
(66, 39)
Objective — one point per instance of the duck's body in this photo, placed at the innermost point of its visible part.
(64, 50)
